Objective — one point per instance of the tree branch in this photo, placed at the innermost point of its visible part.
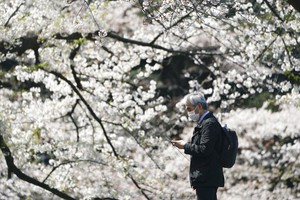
(174, 24)
(88, 107)
(101, 124)
(13, 169)
(22, 44)
(140, 43)
(69, 162)
(13, 14)
(115, 36)
(71, 57)
(287, 51)
(72, 118)
(265, 49)
(137, 185)
(273, 10)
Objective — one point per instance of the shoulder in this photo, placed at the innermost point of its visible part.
(208, 120)
(211, 120)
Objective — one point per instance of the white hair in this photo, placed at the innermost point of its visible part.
(195, 99)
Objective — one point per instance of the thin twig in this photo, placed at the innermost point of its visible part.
(273, 10)
(287, 51)
(171, 26)
(13, 14)
(91, 12)
(265, 49)
(70, 162)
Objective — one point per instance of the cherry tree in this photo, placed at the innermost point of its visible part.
(88, 88)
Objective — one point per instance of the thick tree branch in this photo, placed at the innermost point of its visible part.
(30, 42)
(101, 124)
(74, 88)
(13, 169)
(22, 44)
(140, 43)
(90, 36)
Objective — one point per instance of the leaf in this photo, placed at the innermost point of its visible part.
(39, 66)
(36, 134)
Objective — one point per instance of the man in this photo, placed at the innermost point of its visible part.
(206, 172)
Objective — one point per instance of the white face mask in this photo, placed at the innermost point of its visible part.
(193, 116)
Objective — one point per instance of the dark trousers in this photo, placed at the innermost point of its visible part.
(206, 193)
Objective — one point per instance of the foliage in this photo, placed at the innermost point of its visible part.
(88, 92)
(269, 152)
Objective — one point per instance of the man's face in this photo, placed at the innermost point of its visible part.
(190, 107)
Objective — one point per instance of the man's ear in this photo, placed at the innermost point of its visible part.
(200, 106)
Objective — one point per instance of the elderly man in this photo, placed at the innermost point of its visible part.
(206, 172)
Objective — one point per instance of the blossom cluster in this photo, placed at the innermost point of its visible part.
(83, 113)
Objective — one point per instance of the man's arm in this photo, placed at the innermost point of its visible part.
(207, 141)
(178, 143)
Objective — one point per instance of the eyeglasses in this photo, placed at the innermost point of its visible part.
(190, 108)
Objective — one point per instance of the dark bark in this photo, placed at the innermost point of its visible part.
(115, 36)
(27, 42)
(74, 88)
(13, 169)
(101, 125)
(273, 10)
(13, 14)
(76, 78)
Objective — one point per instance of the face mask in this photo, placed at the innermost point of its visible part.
(193, 116)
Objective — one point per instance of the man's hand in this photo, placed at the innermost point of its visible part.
(178, 143)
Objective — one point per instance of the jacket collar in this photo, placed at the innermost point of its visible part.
(205, 116)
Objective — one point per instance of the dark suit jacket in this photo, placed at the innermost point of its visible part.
(204, 148)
